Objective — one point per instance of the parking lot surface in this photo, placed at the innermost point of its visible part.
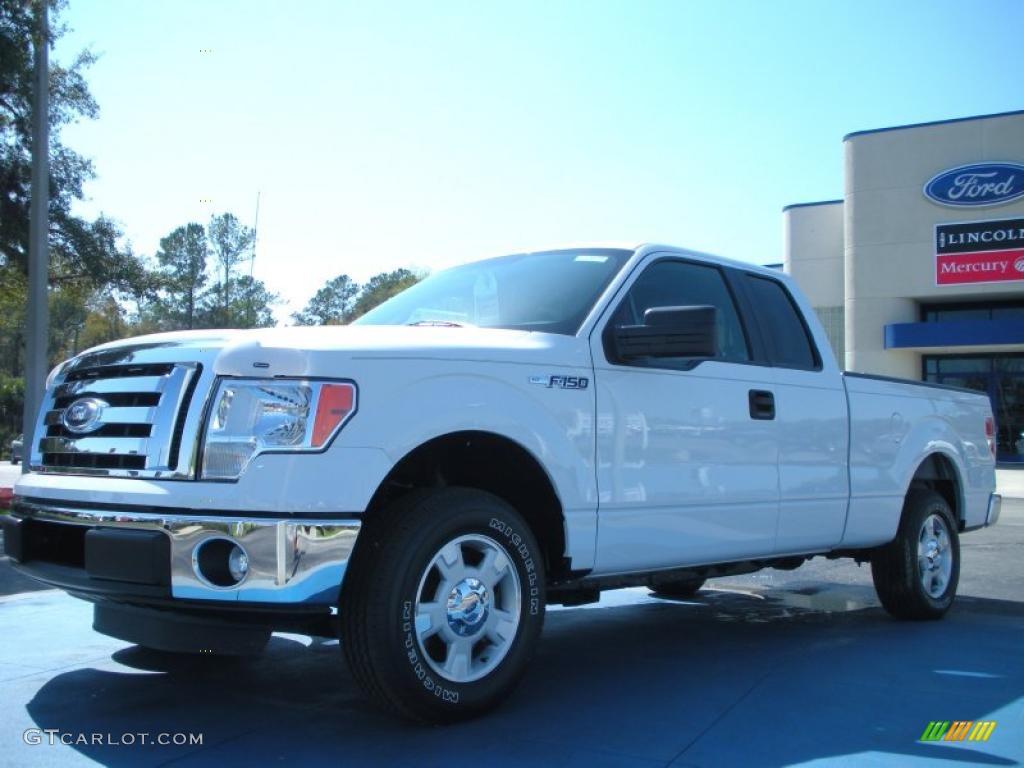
(777, 668)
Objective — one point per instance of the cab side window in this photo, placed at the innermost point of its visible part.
(677, 284)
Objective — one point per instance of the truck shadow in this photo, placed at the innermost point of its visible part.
(766, 678)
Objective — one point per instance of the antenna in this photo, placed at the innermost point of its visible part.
(252, 261)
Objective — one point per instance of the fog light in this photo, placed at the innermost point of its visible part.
(238, 563)
(220, 562)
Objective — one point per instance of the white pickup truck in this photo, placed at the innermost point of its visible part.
(506, 434)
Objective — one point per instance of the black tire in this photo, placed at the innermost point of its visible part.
(897, 569)
(393, 566)
(682, 589)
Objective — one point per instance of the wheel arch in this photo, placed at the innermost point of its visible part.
(938, 472)
(488, 462)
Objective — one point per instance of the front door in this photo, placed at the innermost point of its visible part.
(687, 456)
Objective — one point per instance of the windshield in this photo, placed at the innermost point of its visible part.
(550, 292)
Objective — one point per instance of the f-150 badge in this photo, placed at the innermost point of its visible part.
(561, 382)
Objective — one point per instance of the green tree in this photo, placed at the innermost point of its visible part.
(12, 398)
(331, 305)
(79, 249)
(85, 257)
(251, 305)
(68, 310)
(105, 322)
(382, 287)
(13, 292)
(182, 260)
(230, 241)
(254, 304)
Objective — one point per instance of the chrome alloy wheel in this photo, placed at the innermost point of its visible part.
(467, 608)
(934, 556)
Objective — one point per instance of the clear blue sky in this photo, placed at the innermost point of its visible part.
(422, 134)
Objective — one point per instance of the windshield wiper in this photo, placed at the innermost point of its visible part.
(440, 323)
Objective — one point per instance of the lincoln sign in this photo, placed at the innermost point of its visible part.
(979, 252)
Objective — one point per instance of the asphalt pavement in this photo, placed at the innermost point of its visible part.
(776, 668)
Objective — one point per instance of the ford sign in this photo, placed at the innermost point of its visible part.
(976, 185)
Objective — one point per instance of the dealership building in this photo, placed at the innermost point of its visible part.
(918, 272)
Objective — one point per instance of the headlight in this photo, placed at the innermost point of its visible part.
(253, 416)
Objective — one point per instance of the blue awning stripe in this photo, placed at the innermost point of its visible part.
(954, 333)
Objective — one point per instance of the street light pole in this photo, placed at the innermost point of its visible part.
(37, 320)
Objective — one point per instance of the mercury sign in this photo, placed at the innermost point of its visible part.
(979, 252)
(977, 185)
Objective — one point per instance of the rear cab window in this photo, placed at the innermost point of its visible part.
(786, 337)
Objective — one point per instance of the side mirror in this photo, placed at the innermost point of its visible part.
(669, 332)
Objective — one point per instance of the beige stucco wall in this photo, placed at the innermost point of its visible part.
(813, 249)
(889, 229)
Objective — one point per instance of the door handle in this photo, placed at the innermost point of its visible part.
(762, 405)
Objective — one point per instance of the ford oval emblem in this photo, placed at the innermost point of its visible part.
(84, 415)
(976, 185)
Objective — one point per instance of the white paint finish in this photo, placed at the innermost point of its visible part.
(415, 384)
(406, 403)
(814, 487)
(895, 426)
(682, 474)
(685, 475)
(811, 418)
(343, 479)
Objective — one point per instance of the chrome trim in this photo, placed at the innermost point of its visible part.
(290, 560)
(198, 571)
(111, 415)
(113, 446)
(150, 385)
(995, 506)
(173, 387)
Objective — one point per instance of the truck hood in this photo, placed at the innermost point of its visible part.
(307, 350)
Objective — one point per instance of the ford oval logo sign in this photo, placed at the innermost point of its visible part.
(84, 415)
(976, 185)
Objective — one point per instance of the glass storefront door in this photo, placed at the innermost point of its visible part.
(1001, 377)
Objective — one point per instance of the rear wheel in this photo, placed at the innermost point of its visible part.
(916, 575)
(442, 604)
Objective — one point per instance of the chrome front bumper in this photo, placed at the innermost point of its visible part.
(291, 561)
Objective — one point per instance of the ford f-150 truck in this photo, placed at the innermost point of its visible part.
(504, 435)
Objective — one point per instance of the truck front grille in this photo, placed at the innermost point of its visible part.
(141, 413)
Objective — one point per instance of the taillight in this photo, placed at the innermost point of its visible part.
(990, 435)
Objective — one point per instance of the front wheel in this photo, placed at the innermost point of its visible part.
(916, 575)
(442, 604)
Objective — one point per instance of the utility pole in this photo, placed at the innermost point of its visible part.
(38, 316)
